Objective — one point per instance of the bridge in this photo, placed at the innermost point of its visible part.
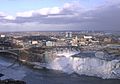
(13, 54)
(17, 56)
(7, 51)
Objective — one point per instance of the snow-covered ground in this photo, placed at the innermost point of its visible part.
(92, 66)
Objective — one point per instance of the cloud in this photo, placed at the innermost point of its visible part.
(54, 15)
(112, 2)
(24, 14)
(9, 17)
(2, 14)
(72, 16)
(106, 17)
(42, 11)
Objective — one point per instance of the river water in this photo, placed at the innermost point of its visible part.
(30, 76)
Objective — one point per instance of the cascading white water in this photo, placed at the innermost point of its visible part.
(86, 65)
(94, 67)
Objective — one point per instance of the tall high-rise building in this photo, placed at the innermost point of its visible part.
(68, 34)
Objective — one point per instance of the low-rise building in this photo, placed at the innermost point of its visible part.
(107, 40)
(2, 36)
(87, 37)
(50, 43)
(34, 42)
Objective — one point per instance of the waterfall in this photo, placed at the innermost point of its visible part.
(91, 66)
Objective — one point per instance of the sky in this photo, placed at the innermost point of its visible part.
(59, 15)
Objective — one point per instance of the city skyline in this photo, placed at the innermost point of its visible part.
(42, 15)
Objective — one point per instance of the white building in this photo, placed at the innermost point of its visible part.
(34, 42)
(49, 43)
(2, 36)
(87, 37)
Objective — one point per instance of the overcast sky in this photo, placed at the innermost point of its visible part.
(45, 15)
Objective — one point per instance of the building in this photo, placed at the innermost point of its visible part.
(2, 36)
(49, 43)
(75, 41)
(87, 37)
(107, 40)
(68, 34)
(34, 42)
